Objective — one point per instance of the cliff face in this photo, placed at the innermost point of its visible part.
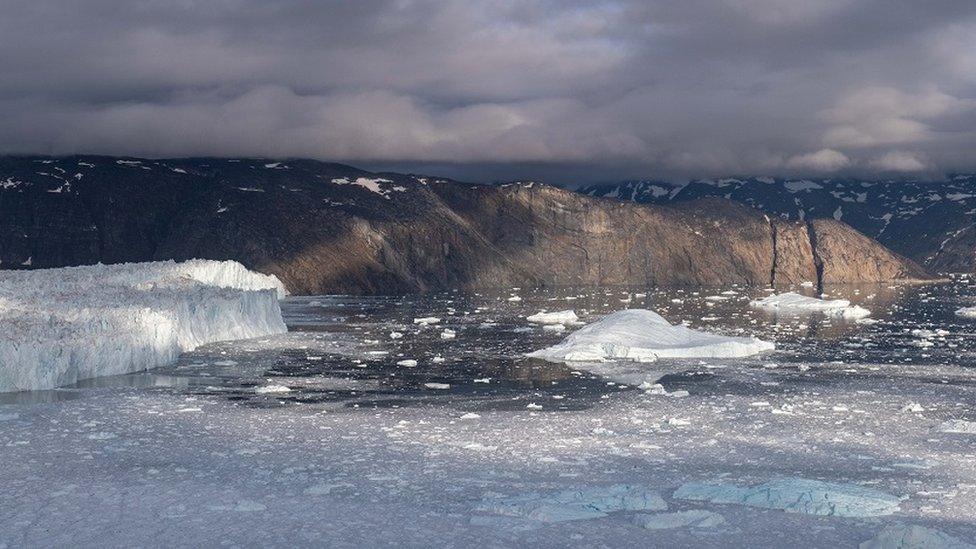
(929, 221)
(328, 228)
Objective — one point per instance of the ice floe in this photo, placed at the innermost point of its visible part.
(693, 518)
(642, 335)
(579, 504)
(958, 426)
(791, 302)
(796, 495)
(907, 536)
(557, 317)
(966, 312)
(59, 326)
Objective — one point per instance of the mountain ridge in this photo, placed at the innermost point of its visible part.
(332, 228)
(931, 222)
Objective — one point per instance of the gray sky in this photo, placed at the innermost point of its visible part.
(563, 90)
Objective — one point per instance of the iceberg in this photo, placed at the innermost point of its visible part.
(580, 504)
(558, 317)
(797, 495)
(59, 326)
(642, 335)
(791, 302)
(966, 312)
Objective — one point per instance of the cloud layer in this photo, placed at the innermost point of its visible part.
(572, 90)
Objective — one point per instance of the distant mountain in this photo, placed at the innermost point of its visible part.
(331, 228)
(931, 222)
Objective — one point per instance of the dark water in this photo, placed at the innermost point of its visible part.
(348, 351)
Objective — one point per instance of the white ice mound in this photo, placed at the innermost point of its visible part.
(797, 495)
(580, 504)
(558, 317)
(791, 302)
(904, 536)
(966, 312)
(642, 335)
(58, 326)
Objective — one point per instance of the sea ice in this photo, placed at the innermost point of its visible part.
(694, 518)
(580, 504)
(557, 317)
(791, 302)
(958, 426)
(905, 536)
(797, 495)
(58, 326)
(642, 335)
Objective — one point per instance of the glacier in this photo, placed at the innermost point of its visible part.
(642, 335)
(59, 326)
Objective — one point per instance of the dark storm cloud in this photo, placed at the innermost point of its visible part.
(571, 90)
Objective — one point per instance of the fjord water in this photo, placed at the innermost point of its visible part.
(346, 349)
(371, 424)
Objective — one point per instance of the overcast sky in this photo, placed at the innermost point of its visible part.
(566, 91)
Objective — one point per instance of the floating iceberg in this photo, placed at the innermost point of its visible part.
(903, 536)
(58, 326)
(642, 335)
(791, 302)
(966, 312)
(797, 495)
(581, 504)
(558, 317)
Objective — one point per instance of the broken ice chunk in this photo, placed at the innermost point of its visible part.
(579, 504)
(958, 426)
(426, 321)
(905, 536)
(558, 317)
(694, 518)
(265, 389)
(791, 302)
(797, 495)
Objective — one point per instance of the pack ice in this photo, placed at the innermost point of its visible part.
(796, 495)
(58, 326)
(642, 335)
(791, 302)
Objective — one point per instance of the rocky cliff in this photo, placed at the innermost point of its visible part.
(930, 221)
(329, 228)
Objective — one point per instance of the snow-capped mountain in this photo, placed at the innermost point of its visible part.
(331, 228)
(931, 222)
